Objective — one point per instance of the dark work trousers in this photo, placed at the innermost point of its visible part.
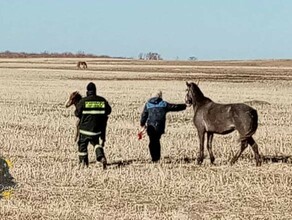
(154, 143)
(83, 142)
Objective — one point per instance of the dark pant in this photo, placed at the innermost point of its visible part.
(83, 142)
(154, 144)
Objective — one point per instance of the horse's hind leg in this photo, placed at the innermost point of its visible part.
(209, 146)
(243, 146)
(255, 149)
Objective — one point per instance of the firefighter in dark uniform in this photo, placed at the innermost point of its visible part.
(153, 119)
(93, 112)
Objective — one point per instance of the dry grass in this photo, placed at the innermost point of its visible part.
(37, 136)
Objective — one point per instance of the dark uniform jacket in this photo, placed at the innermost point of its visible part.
(154, 113)
(93, 112)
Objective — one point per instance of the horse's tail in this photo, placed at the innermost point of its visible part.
(253, 122)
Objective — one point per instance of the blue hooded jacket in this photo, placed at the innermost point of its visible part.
(154, 113)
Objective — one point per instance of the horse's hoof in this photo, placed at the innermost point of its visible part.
(199, 162)
(104, 163)
(212, 160)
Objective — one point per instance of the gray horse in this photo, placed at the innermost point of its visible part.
(212, 118)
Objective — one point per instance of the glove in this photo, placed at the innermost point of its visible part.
(140, 135)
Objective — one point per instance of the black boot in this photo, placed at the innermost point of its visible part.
(99, 152)
(83, 161)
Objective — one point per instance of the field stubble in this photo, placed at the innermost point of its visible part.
(37, 134)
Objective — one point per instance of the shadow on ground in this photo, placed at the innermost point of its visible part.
(164, 160)
(277, 158)
(6, 180)
(187, 160)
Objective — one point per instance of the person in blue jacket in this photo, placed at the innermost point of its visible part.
(153, 120)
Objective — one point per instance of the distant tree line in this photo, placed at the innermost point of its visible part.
(157, 56)
(46, 54)
(79, 54)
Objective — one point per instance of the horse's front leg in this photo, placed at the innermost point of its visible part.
(200, 158)
(209, 146)
(77, 130)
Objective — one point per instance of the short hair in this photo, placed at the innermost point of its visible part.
(157, 94)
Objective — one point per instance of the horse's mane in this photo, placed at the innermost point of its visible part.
(78, 96)
(197, 93)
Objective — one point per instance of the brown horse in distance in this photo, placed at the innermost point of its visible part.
(213, 118)
(82, 65)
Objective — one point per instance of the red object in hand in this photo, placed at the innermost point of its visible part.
(140, 135)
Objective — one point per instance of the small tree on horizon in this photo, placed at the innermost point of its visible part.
(149, 56)
(193, 58)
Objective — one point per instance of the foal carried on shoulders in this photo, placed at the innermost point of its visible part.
(74, 98)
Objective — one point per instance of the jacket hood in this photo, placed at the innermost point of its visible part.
(91, 93)
(155, 100)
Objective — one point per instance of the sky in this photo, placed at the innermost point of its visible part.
(176, 29)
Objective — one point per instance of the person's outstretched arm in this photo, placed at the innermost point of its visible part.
(175, 107)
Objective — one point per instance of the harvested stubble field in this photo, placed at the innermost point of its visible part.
(37, 135)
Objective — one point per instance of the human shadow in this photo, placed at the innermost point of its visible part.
(277, 158)
(140, 161)
(123, 163)
(6, 179)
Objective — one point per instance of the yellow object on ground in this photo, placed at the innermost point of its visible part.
(7, 194)
(6, 180)
(9, 163)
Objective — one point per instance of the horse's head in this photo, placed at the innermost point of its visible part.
(193, 93)
(74, 98)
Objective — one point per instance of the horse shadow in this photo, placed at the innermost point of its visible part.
(277, 159)
(6, 179)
